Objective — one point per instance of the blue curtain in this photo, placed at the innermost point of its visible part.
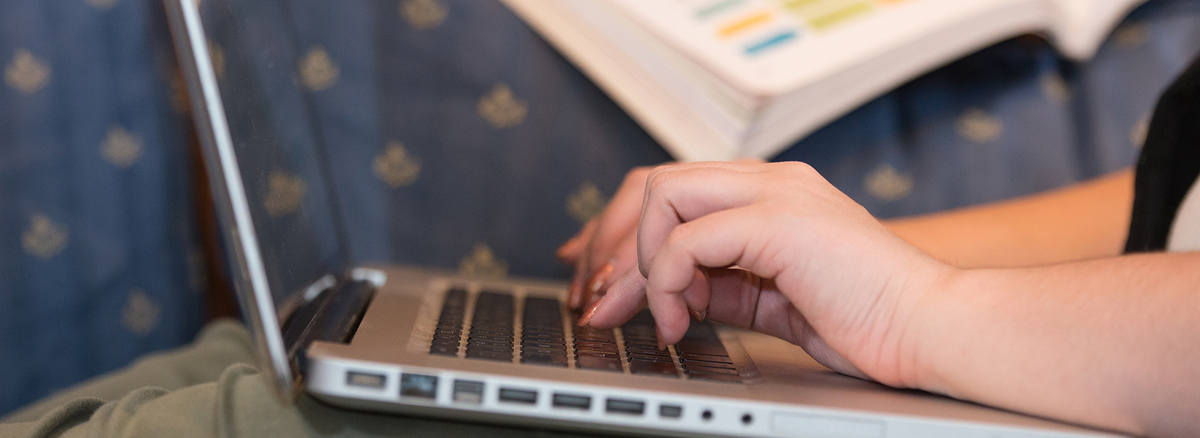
(99, 262)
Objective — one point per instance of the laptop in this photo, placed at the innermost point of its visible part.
(418, 341)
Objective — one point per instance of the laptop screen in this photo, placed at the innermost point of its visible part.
(273, 131)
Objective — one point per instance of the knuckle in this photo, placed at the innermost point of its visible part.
(799, 168)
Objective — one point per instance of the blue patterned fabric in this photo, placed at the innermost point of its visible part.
(96, 221)
(459, 139)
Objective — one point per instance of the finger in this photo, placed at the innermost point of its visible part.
(623, 260)
(617, 220)
(682, 193)
(742, 299)
(716, 240)
(625, 298)
(572, 249)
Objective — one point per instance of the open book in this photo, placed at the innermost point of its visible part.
(722, 79)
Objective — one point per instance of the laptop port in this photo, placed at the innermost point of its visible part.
(624, 406)
(670, 411)
(418, 385)
(468, 391)
(518, 396)
(365, 380)
(572, 401)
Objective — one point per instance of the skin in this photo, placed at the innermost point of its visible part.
(1103, 341)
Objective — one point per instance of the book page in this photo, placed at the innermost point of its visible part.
(770, 47)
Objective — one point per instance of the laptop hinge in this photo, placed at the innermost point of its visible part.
(332, 316)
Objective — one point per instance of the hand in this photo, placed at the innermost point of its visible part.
(774, 248)
(606, 247)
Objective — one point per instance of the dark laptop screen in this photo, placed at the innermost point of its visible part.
(274, 133)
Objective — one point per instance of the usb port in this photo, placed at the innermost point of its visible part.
(366, 380)
(468, 391)
(418, 385)
(518, 396)
(619, 406)
(572, 401)
(670, 411)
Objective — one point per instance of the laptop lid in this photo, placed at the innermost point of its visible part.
(270, 181)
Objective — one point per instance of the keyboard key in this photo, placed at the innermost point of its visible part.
(592, 345)
(551, 351)
(653, 351)
(495, 348)
(705, 349)
(444, 349)
(691, 369)
(598, 354)
(506, 333)
(599, 363)
(545, 359)
(591, 334)
(489, 355)
(544, 340)
(663, 359)
(653, 368)
(705, 358)
(490, 342)
(541, 345)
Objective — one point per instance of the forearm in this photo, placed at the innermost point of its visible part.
(1083, 221)
(1108, 342)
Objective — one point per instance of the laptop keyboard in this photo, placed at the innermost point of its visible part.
(542, 340)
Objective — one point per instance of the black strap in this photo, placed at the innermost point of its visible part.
(1169, 163)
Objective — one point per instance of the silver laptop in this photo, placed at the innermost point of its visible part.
(421, 342)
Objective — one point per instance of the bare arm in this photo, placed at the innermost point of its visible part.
(1082, 221)
(1108, 342)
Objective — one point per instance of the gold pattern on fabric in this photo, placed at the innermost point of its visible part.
(121, 148)
(44, 238)
(103, 5)
(141, 314)
(1131, 36)
(979, 126)
(887, 184)
(317, 70)
(285, 193)
(396, 167)
(1055, 88)
(26, 73)
(1141, 129)
(483, 263)
(586, 203)
(423, 14)
(216, 54)
(501, 108)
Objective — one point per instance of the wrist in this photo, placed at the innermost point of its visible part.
(926, 304)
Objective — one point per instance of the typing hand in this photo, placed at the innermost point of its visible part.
(606, 247)
(774, 248)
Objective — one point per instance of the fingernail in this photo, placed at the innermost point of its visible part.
(658, 334)
(587, 316)
(698, 315)
(600, 278)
